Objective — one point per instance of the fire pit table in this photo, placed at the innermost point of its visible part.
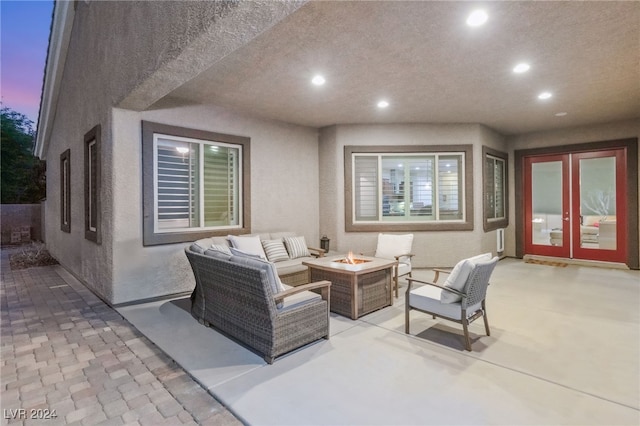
(358, 285)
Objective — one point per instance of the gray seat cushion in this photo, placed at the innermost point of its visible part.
(299, 299)
(291, 266)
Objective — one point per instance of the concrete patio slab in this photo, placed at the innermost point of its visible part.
(549, 359)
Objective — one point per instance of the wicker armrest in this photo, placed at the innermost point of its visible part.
(451, 290)
(316, 252)
(322, 285)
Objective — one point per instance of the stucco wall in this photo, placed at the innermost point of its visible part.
(129, 54)
(284, 193)
(439, 248)
(84, 102)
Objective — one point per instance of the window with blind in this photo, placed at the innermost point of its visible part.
(407, 188)
(495, 189)
(92, 179)
(195, 183)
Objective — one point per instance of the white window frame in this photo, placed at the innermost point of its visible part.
(201, 210)
(465, 196)
(65, 191)
(92, 185)
(408, 219)
(92, 147)
(491, 224)
(494, 186)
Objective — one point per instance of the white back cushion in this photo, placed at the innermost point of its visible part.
(248, 244)
(458, 277)
(390, 245)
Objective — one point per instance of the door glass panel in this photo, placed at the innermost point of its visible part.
(546, 202)
(598, 203)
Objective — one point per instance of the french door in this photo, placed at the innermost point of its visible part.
(575, 205)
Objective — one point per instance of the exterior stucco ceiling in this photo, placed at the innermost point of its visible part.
(433, 68)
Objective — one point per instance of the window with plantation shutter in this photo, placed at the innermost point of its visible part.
(450, 187)
(406, 188)
(175, 175)
(195, 183)
(366, 188)
(495, 189)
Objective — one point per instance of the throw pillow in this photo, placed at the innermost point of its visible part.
(200, 246)
(275, 250)
(297, 247)
(221, 248)
(248, 244)
(218, 254)
(236, 252)
(458, 277)
(390, 245)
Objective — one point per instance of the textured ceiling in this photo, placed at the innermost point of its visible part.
(433, 68)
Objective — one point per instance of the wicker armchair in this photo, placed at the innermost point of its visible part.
(238, 299)
(471, 305)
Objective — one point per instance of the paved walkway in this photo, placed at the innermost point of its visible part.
(67, 354)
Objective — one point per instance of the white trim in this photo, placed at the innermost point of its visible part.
(435, 217)
(63, 16)
(175, 141)
(504, 192)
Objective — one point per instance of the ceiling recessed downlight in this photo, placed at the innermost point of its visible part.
(545, 95)
(318, 80)
(477, 18)
(560, 114)
(521, 67)
(383, 104)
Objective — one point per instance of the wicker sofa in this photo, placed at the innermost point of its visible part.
(290, 269)
(241, 297)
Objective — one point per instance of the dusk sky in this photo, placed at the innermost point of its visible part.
(24, 37)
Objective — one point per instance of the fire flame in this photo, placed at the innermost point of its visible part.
(349, 259)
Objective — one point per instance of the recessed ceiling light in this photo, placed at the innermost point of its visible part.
(477, 18)
(544, 95)
(520, 68)
(561, 114)
(318, 80)
(383, 104)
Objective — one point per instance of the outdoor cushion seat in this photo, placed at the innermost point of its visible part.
(467, 282)
(297, 300)
(290, 270)
(427, 298)
(396, 247)
(291, 266)
(242, 297)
